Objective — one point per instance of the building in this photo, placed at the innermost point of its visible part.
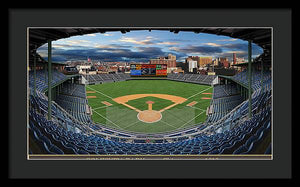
(215, 62)
(224, 62)
(83, 68)
(192, 65)
(178, 70)
(202, 60)
(234, 58)
(240, 60)
(170, 60)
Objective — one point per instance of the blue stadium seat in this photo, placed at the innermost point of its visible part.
(268, 150)
(82, 152)
(242, 149)
(224, 146)
(215, 151)
(52, 149)
(250, 140)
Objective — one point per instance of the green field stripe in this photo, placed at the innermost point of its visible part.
(124, 114)
(198, 93)
(100, 93)
(191, 120)
(196, 108)
(170, 113)
(168, 124)
(185, 113)
(100, 107)
(108, 120)
(132, 124)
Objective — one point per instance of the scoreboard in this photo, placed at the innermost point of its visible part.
(148, 70)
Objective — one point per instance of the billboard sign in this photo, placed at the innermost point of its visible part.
(148, 70)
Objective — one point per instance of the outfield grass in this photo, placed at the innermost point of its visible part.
(122, 117)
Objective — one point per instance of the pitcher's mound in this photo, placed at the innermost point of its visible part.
(149, 116)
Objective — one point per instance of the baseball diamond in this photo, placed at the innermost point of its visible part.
(148, 106)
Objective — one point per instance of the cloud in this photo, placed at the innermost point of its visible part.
(77, 41)
(106, 34)
(168, 43)
(112, 52)
(256, 50)
(213, 44)
(227, 40)
(91, 35)
(151, 52)
(174, 49)
(111, 46)
(136, 41)
(179, 40)
(204, 50)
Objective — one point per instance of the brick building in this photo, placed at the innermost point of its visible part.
(170, 60)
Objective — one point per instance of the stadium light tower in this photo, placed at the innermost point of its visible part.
(49, 78)
(250, 78)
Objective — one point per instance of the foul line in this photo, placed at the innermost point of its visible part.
(196, 108)
(100, 92)
(169, 112)
(108, 120)
(168, 124)
(132, 124)
(191, 119)
(199, 93)
(100, 107)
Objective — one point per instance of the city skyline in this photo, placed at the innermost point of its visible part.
(141, 46)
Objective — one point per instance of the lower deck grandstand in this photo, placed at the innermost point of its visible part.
(71, 131)
(104, 78)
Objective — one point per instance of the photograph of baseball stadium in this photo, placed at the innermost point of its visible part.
(149, 93)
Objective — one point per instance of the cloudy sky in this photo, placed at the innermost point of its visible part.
(140, 46)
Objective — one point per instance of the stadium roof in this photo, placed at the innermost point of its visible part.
(259, 36)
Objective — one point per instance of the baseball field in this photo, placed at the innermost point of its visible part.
(149, 106)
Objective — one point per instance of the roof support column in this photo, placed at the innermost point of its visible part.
(262, 72)
(250, 78)
(34, 74)
(242, 92)
(49, 78)
(45, 68)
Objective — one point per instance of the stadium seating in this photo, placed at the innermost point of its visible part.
(42, 79)
(103, 78)
(72, 132)
(192, 78)
(84, 144)
(242, 77)
(222, 106)
(224, 90)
